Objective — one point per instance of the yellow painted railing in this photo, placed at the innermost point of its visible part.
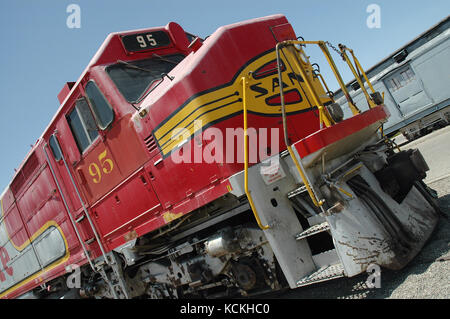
(247, 191)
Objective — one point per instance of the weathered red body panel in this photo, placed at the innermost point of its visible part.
(32, 215)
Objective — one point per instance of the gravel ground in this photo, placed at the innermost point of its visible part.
(428, 275)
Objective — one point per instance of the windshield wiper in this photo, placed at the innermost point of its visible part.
(147, 91)
(163, 59)
(150, 85)
(132, 66)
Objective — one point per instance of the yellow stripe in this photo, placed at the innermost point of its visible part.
(28, 242)
(247, 191)
(179, 116)
(205, 119)
(220, 105)
(183, 116)
(202, 108)
(205, 98)
(46, 269)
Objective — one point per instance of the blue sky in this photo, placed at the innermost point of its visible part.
(39, 53)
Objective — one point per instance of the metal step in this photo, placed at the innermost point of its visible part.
(297, 191)
(89, 241)
(79, 219)
(313, 230)
(323, 274)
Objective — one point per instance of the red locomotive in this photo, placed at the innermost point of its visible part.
(180, 167)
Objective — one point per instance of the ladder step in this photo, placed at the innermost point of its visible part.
(313, 230)
(323, 274)
(89, 241)
(284, 153)
(297, 191)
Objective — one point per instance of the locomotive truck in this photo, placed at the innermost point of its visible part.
(180, 167)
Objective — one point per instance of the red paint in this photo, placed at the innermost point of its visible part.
(331, 134)
(4, 258)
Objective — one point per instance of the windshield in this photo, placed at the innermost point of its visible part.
(133, 78)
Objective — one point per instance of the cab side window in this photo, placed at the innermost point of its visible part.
(55, 148)
(82, 124)
(103, 112)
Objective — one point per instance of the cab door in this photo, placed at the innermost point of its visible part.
(110, 171)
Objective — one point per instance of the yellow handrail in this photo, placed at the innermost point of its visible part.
(325, 85)
(335, 70)
(323, 116)
(358, 65)
(305, 179)
(298, 164)
(323, 47)
(247, 191)
(356, 74)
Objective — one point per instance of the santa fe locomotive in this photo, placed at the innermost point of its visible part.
(179, 167)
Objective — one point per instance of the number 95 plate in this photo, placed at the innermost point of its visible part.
(145, 41)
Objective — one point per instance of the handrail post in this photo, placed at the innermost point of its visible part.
(83, 205)
(341, 83)
(358, 65)
(298, 164)
(324, 118)
(67, 208)
(247, 191)
(356, 74)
